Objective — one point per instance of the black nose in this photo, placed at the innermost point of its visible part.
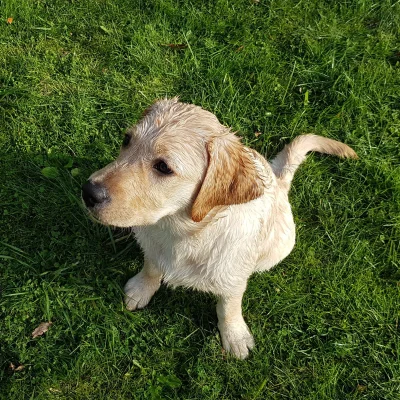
(94, 193)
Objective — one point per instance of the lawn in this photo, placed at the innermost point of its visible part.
(74, 74)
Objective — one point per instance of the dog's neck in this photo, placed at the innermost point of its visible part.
(181, 224)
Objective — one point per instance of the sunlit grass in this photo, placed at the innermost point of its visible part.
(75, 74)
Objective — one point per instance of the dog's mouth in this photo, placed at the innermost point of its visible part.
(93, 217)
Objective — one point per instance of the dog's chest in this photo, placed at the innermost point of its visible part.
(189, 262)
(213, 260)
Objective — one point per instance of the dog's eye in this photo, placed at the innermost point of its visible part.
(127, 139)
(162, 167)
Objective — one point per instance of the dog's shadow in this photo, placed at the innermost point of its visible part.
(50, 241)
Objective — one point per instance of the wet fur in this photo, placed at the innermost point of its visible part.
(223, 215)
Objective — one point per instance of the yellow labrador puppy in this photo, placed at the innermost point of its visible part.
(206, 210)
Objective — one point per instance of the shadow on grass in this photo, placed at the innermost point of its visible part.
(57, 265)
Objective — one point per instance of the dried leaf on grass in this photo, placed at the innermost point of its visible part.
(54, 390)
(361, 388)
(41, 329)
(10, 20)
(15, 368)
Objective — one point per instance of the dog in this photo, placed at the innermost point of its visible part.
(206, 210)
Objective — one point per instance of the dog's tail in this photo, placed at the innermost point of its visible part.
(289, 159)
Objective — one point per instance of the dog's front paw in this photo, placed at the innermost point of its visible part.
(236, 339)
(139, 290)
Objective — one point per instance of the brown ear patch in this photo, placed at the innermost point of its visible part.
(231, 177)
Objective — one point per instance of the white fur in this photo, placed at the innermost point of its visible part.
(219, 253)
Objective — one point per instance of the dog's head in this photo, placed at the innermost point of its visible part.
(177, 158)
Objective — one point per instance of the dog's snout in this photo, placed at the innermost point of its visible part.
(94, 194)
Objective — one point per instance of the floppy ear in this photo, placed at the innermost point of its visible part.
(231, 177)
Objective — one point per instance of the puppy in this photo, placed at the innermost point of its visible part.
(206, 210)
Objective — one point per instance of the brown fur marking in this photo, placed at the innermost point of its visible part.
(231, 177)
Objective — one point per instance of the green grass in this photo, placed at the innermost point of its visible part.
(74, 74)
